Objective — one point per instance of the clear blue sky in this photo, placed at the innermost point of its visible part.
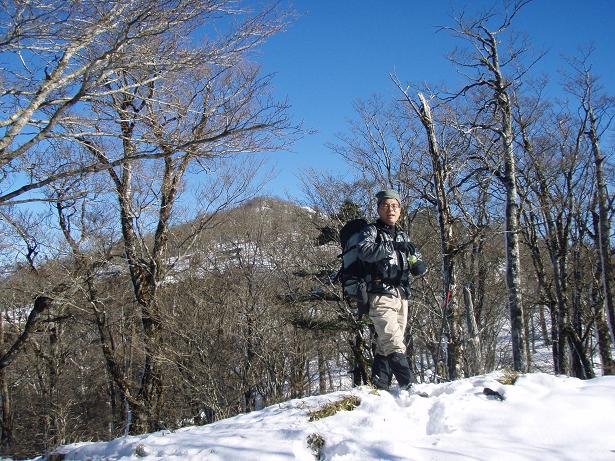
(338, 51)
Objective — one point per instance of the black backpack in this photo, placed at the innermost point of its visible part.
(352, 273)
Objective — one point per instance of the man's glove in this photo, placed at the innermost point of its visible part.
(418, 268)
(405, 247)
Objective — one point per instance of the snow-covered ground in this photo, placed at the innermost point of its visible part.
(541, 417)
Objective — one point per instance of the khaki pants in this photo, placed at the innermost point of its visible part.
(389, 313)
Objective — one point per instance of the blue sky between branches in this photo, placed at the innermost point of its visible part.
(338, 52)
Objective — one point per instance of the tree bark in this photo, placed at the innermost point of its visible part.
(6, 418)
(41, 304)
(511, 233)
(359, 370)
(604, 234)
(603, 332)
(475, 356)
(496, 107)
(454, 312)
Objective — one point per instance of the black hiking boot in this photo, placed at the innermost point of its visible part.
(381, 373)
(401, 369)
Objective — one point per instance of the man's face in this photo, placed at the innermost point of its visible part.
(389, 211)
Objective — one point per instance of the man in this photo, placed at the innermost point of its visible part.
(389, 258)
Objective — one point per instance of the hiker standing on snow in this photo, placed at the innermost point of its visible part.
(389, 258)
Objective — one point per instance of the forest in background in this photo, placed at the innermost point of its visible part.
(147, 286)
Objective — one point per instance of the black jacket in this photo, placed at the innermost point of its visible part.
(389, 257)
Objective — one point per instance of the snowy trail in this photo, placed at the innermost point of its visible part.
(542, 417)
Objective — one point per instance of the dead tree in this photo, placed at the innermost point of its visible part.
(595, 125)
(449, 247)
(224, 114)
(595, 108)
(495, 91)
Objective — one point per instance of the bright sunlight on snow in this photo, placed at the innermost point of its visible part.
(539, 417)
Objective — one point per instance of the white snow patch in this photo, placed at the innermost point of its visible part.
(542, 417)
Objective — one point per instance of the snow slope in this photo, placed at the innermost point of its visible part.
(542, 417)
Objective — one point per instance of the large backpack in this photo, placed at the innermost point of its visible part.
(352, 271)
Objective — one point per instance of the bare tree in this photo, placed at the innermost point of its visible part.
(62, 56)
(495, 91)
(449, 248)
(597, 111)
(556, 175)
(107, 93)
(379, 145)
(229, 119)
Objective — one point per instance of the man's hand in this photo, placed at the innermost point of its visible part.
(418, 268)
(405, 247)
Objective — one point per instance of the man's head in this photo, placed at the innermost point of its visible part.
(389, 206)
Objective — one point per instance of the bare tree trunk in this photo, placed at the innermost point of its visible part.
(602, 324)
(41, 303)
(604, 234)
(546, 337)
(297, 373)
(604, 340)
(250, 355)
(454, 313)
(358, 348)
(113, 407)
(513, 263)
(560, 364)
(561, 298)
(322, 373)
(53, 371)
(475, 358)
(531, 236)
(6, 429)
(580, 339)
(147, 416)
(499, 90)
